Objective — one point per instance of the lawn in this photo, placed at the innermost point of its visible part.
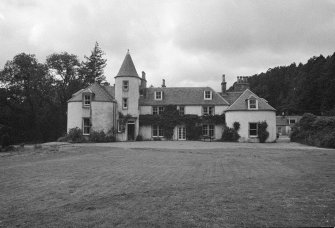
(95, 186)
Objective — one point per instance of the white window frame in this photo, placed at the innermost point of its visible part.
(289, 121)
(157, 110)
(253, 129)
(206, 93)
(124, 103)
(255, 104)
(181, 110)
(160, 97)
(208, 130)
(125, 85)
(87, 100)
(208, 110)
(158, 130)
(85, 127)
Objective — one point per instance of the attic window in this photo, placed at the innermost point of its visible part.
(291, 121)
(208, 95)
(252, 103)
(87, 100)
(158, 95)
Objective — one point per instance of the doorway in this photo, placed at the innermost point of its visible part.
(181, 133)
(131, 130)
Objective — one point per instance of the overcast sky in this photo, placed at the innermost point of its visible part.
(189, 43)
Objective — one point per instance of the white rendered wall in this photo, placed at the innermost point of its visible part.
(74, 115)
(102, 116)
(145, 110)
(246, 117)
(145, 132)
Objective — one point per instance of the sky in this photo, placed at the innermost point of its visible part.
(186, 42)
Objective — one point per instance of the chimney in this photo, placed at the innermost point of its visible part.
(143, 75)
(223, 85)
(143, 81)
(163, 85)
(241, 84)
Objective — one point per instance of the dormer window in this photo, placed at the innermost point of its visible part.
(207, 95)
(87, 100)
(158, 95)
(252, 103)
(125, 85)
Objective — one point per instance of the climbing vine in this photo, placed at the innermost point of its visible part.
(123, 120)
(170, 118)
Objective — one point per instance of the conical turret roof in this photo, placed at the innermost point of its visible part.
(127, 68)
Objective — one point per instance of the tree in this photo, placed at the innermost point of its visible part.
(64, 68)
(92, 69)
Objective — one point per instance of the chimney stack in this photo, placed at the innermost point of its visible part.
(163, 85)
(223, 84)
(143, 85)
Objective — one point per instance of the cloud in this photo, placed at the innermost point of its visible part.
(189, 43)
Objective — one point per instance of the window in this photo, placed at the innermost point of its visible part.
(87, 100)
(208, 95)
(156, 110)
(253, 129)
(125, 85)
(291, 121)
(157, 131)
(181, 110)
(208, 110)
(86, 126)
(158, 95)
(252, 103)
(208, 130)
(124, 103)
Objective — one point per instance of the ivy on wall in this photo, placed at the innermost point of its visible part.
(123, 120)
(170, 118)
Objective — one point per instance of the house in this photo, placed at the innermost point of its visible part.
(284, 124)
(122, 106)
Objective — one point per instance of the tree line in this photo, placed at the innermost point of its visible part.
(299, 89)
(34, 95)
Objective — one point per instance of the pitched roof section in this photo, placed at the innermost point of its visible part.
(241, 105)
(181, 96)
(127, 68)
(231, 97)
(101, 93)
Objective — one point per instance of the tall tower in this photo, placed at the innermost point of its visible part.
(127, 85)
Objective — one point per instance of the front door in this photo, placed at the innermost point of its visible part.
(181, 133)
(131, 131)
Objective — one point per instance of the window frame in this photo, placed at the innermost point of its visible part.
(181, 110)
(253, 129)
(158, 130)
(161, 95)
(208, 130)
(85, 100)
(255, 105)
(157, 110)
(210, 110)
(125, 85)
(210, 95)
(125, 103)
(289, 121)
(85, 127)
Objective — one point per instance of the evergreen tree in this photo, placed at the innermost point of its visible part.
(92, 69)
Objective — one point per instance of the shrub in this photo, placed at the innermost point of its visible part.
(157, 139)
(230, 134)
(263, 134)
(5, 140)
(75, 135)
(101, 136)
(236, 126)
(139, 138)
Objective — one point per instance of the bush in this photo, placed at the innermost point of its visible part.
(101, 136)
(263, 134)
(230, 134)
(5, 140)
(315, 131)
(75, 135)
(236, 126)
(139, 138)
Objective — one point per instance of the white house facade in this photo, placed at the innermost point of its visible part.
(123, 107)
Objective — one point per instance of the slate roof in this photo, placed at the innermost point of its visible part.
(127, 68)
(101, 93)
(241, 105)
(181, 96)
(231, 97)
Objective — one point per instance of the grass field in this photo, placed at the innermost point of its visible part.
(76, 186)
